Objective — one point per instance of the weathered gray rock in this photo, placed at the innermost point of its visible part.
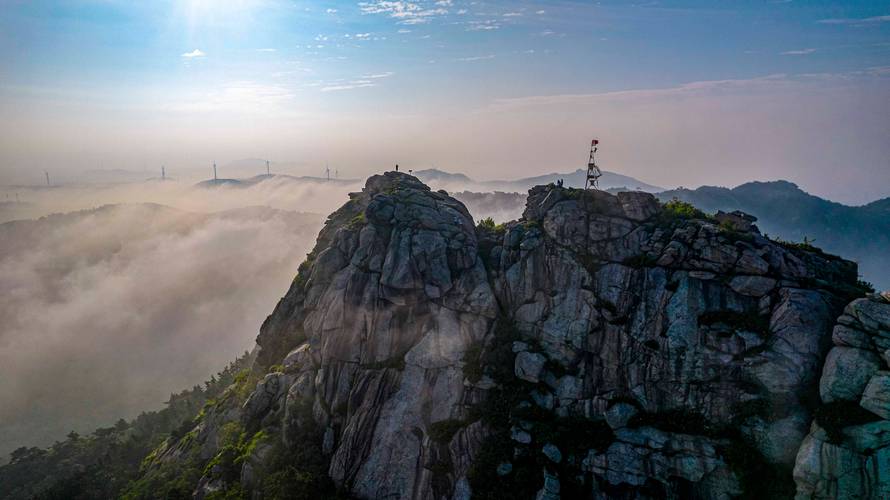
(551, 488)
(876, 396)
(641, 455)
(529, 366)
(619, 414)
(520, 436)
(504, 468)
(754, 286)
(551, 451)
(833, 471)
(737, 220)
(638, 206)
(871, 314)
(851, 337)
(858, 466)
(846, 373)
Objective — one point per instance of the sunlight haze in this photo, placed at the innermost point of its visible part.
(681, 93)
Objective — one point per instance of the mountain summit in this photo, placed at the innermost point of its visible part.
(603, 345)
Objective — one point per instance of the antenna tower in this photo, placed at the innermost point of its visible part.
(214, 170)
(593, 172)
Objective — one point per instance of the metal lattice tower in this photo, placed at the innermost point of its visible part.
(593, 172)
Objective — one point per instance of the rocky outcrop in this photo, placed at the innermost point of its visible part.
(847, 451)
(395, 294)
(601, 346)
(710, 335)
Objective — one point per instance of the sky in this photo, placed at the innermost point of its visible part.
(680, 93)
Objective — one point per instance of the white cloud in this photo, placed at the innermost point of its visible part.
(405, 12)
(445, 3)
(540, 12)
(331, 11)
(357, 84)
(403, 31)
(513, 14)
(487, 25)
(193, 54)
(857, 22)
(477, 58)
(699, 88)
(415, 20)
(385, 74)
(798, 52)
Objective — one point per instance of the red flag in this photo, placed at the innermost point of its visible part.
(594, 142)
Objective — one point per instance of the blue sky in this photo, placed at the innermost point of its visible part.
(363, 83)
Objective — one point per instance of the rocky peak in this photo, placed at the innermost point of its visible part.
(393, 295)
(603, 345)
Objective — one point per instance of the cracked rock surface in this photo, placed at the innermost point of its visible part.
(600, 347)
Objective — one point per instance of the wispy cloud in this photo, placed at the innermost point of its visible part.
(476, 58)
(486, 25)
(797, 52)
(385, 74)
(773, 82)
(357, 84)
(193, 54)
(856, 21)
(331, 11)
(405, 12)
(238, 96)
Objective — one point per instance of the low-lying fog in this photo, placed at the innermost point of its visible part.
(130, 292)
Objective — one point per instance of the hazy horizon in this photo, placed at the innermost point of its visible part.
(681, 93)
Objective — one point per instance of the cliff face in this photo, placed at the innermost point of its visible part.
(847, 452)
(602, 346)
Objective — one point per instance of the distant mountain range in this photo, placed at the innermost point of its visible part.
(252, 181)
(450, 181)
(784, 210)
(861, 233)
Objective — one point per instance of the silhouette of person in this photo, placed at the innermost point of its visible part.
(397, 167)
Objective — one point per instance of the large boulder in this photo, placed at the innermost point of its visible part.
(846, 373)
(851, 458)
